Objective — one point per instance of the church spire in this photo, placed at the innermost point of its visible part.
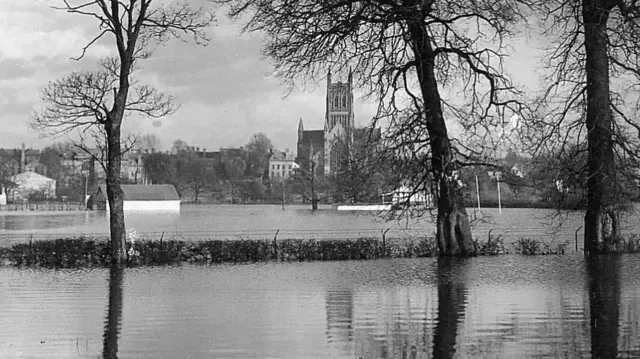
(329, 77)
(350, 76)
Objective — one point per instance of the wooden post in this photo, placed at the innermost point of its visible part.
(478, 192)
(275, 246)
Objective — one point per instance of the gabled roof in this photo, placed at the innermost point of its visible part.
(30, 176)
(280, 156)
(140, 192)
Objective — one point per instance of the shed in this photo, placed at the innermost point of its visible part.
(138, 197)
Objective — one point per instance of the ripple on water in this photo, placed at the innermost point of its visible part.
(502, 307)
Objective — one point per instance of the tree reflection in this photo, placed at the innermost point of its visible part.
(452, 302)
(114, 313)
(604, 304)
(339, 307)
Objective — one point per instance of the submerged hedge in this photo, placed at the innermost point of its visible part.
(89, 252)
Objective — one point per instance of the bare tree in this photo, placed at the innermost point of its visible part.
(591, 101)
(101, 99)
(148, 142)
(404, 54)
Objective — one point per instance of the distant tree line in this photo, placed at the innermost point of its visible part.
(234, 174)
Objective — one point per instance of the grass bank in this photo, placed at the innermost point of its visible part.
(91, 252)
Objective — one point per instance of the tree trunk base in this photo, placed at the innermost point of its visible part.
(602, 231)
(454, 234)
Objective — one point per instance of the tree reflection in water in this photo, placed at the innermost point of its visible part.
(339, 309)
(452, 302)
(604, 304)
(114, 313)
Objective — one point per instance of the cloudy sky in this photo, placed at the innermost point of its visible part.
(225, 89)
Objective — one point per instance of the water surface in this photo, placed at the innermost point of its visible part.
(500, 307)
(295, 221)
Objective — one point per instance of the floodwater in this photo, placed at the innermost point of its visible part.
(490, 307)
(295, 221)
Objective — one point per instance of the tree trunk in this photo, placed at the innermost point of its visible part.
(601, 229)
(115, 194)
(453, 229)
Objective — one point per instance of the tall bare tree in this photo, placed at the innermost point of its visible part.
(591, 101)
(101, 99)
(405, 53)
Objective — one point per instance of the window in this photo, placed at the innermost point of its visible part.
(273, 166)
(273, 173)
(289, 173)
(289, 166)
(277, 167)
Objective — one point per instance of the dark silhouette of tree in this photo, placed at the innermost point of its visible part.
(604, 304)
(358, 177)
(160, 168)
(147, 143)
(404, 54)
(258, 151)
(451, 307)
(101, 99)
(196, 175)
(114, 313)
(234, 168)
(180, 146)
(591, 101)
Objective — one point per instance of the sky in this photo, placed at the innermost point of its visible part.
(225, 90)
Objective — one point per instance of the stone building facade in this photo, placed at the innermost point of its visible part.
(327, 147)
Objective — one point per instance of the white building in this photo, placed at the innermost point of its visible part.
(28, 183)
(157, 197)
(281, 165)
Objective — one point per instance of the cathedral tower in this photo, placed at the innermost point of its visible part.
(339, 122)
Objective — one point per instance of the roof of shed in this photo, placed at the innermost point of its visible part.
(139, 192)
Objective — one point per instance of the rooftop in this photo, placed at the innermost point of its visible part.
(155, 192)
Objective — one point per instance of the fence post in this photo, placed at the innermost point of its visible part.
(275, 245)
(384, 242)
(577, 230)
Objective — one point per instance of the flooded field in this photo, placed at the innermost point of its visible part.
(492, 307)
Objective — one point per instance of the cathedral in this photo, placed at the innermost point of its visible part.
(328, 147)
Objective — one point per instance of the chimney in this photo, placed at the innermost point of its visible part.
(22, 159)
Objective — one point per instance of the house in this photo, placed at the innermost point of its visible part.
(31, 183)
(132, 167)
(281, 165)
(137, 197)
(405, 194)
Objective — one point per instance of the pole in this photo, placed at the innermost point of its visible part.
(284, 184)
(478, 192)
(499, 202)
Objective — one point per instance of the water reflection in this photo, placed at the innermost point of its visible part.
(507, 307)
(114, 314)
(604, 304)
(339, 307)
(452, 300)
